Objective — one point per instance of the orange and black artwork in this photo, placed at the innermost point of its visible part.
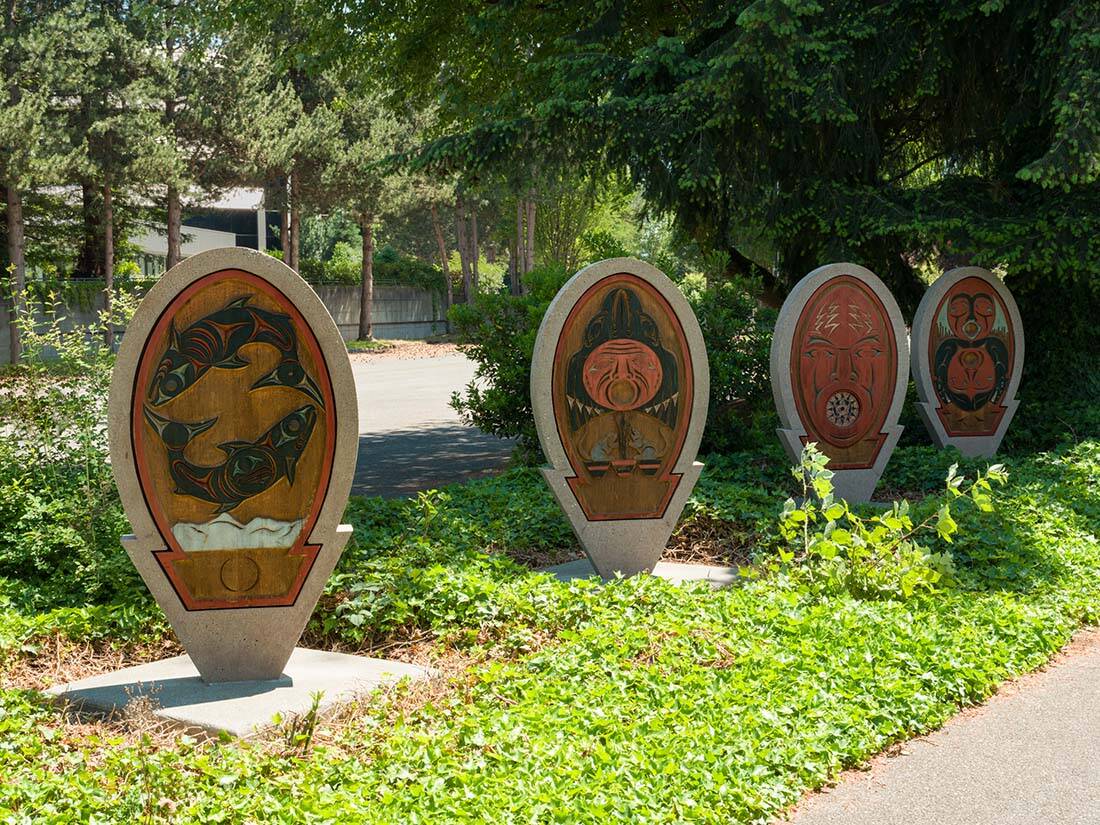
(622, 389)
(844, 362)
(233, 431)
(250, 466)
(215, 340)
(970, 349)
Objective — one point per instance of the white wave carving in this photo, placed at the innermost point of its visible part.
(226, 533)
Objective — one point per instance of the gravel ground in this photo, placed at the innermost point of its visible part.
(406, 351)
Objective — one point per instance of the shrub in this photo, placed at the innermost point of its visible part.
(876, 556)
(498, 333)
(60, 515)
(346, 267)
(737, 332)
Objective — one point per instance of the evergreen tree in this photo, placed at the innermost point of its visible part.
(357, 176)
(23, 132)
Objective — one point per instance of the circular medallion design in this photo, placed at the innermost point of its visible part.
(842, 409)
(239, 574)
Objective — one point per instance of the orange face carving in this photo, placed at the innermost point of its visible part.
(622, 374)
(971, 316)
(844, 366)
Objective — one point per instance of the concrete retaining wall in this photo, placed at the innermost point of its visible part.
(399, 312)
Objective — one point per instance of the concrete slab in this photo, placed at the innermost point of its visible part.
(715, 575)
(244, 709)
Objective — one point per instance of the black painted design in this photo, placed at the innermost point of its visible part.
(250, 468)
(215, 341)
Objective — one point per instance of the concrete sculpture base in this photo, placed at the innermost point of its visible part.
(177, 694)
(714, 575)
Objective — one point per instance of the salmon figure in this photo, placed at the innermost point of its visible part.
(250, 468)
(216, 340)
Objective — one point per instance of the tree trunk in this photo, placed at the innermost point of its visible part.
(529, 250)
(175, 219)
(295, 222)
(173, 206)
(366, 293)
(284, 221)
(17, 256)
(521, 242)
(284, 233)
(513, 271)
(108, 265)
(475, 252)
(463, 246)
(490, 253)
(444, 264)
(89, 262)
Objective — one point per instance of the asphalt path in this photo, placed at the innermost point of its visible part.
(409, 437)
(1030, 756)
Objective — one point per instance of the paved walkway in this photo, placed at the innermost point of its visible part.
(1030, 756)
(409, 437)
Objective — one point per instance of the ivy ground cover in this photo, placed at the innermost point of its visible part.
(634, 701)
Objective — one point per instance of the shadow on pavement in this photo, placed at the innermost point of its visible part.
(402, 462)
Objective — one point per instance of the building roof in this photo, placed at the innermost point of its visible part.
(231, 200)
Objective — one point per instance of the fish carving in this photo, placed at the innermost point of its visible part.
(250, 467)
(215, 341)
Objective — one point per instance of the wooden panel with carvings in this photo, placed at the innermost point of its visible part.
(971, 347)
(844, 363)
(622, 390)
(233, 430)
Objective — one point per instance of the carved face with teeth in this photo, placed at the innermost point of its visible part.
(621, 364)
(622, 386)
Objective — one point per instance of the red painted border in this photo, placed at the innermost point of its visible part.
(687, 393)
(146, 364)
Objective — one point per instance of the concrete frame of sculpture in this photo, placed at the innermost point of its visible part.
(618, 545)
(851, 484)
(236, 643)
(929, 404)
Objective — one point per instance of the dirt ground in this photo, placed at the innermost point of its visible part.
(405, 351)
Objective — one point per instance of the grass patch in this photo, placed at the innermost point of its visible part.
(637, 701)
(370, 346)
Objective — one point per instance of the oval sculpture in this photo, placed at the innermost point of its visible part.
(619, 388)
(968, 353)
(233, 443)
(839, 367)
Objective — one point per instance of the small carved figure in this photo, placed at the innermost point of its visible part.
(972, 364)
